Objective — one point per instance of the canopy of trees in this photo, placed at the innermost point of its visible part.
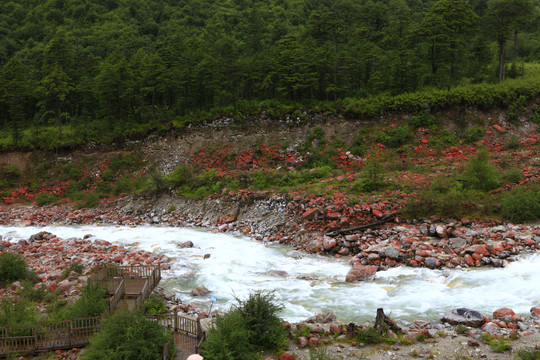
(114, 65)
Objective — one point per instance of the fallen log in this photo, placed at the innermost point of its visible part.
(384, 220)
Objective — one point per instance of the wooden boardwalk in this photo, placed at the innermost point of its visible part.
(128, 287)
(132, 284)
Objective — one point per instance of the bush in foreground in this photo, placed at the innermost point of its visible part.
(253, 326)
(127, 336)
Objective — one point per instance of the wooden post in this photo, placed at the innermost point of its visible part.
(175, 319)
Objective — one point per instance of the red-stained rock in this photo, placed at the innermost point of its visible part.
(288, 355)
(200, 291)
(302, 342)
(377, 213)
(481, 250)
(468, 260)
(361, 273)
(333, 215)
(314, 341)
(499, 128)
(500, 313)
(310, 214)
(535, 311)
(328, 243)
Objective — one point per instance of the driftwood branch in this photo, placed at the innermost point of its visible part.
(383, 323)
(362, 227)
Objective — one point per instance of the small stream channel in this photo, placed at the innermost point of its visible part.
(314, 283)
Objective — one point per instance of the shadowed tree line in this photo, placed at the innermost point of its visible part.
(103, 67)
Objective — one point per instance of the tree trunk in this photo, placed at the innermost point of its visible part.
(154, 105)
(502, 48)
(515, 45)
(60, 120)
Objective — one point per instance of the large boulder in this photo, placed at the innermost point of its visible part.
(361, 272)
(535, 311)
(200, 291)
(464, 316)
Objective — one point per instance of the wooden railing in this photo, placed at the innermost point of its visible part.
(48, 335)
(179, 323)
(167, 348)
(54, 335)
(117, 296)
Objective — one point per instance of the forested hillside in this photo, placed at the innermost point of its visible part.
(74, 71)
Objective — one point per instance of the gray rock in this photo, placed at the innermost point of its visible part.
(464, 316)
(432, 263)
(536, 239)
(457, 242)
(498, 262)
(391, 253)
(500, 228)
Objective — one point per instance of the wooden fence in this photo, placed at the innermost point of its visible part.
(48, 335)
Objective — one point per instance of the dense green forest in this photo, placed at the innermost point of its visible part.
(81, 70)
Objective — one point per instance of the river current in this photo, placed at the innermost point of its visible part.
(314, 284)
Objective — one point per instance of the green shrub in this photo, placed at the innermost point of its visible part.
(72, 267)
(525, 354)
(425, 120)
(369, 336)
(479, 174)
(462, 329)
(474, 134)
(87, 200)
(228, 339)
(303, 330)
(74, 173)
(12, 268)
(394, 137)
(182, 175)
(251, 327)
(17, 312)
(92, 302)
(107, 176)
(128, 336)
(513, 143)
(11, 173)
(124, 185)
(28, 291)
(443, 139)
(154, 305)
(515, 110)
(120, 162)
(522, 204)
(45, 198)
(374, 177)
(260, 315)
(512, 175)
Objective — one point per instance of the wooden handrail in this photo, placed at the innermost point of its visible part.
(167, 348)
(118, 295)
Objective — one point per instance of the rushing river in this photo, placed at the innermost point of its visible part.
(314, 283)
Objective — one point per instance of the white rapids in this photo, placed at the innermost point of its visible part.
(314, 284)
